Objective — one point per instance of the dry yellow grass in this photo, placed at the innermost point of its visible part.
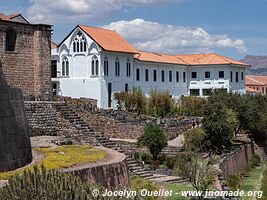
(63, 157)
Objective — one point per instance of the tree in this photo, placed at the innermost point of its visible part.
(133, 100)
(199, 173)
(195, 139)
(219, 123)
(154, 139)
(160, 103)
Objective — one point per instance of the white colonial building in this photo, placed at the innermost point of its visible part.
(96, 63)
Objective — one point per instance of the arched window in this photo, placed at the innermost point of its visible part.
(128, 68)
(65, 66)
(117, 67)
(11, 39)
(106, 66)
(95, 66)
(79, 43)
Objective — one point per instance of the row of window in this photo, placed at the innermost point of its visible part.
(95, 67)
(221, 75)
(154, 75)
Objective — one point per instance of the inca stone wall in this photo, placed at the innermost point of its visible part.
(111, 172)
(15, 147)
(28, 66)
(238, 160)
(44, 119)
(117, 127)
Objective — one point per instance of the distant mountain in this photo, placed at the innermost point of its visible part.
(258, 64)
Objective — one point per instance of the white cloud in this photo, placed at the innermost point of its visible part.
(49, 11)
(156, 37)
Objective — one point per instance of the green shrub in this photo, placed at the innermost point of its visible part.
(154, 139)
(255, 160)
(42, 185)
(234, 182)
(139, 183)
(133, 100)
(146, 158)
(192, 106)
(195, 139)
(160, 103)
(170, 162)
(162, 159)
(136, 155)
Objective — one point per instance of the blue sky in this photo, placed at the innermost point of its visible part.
(233, 28)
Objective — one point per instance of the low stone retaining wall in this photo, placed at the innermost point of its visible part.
(44, 119)
(116, 125)
(239, 159)
(111, 172)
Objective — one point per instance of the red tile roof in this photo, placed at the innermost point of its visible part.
(209, 59)
(162, 58)
(256, 80)
(8, 17)
(188, 59)
(108, 40)
(53, 45)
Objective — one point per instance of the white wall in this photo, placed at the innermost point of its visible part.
(81, 83)
(214, 82)
(176, 88)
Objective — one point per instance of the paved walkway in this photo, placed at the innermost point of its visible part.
(177, 142)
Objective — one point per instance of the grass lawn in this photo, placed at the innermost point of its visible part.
(177, 188)
(63, 157)
(264, 185)
(249, 182)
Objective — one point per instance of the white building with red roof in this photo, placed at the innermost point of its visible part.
(96, 63)
(256, 84)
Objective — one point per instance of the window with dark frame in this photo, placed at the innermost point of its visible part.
(177, 76)
(231, 76)
(236, 77)
(138, 74)
(194, 74)
(146, 75)
(162, 76)
(65, 66)
(95, 66)
(126, 87)
(155, 75)
(106, 66)
(207, 74)
(117, 67)
(128, 68)
(11, 39)
(184, 77)
(221, 74)
(242, 76)
(170, 76)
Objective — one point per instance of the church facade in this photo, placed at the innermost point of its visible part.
(96, 63)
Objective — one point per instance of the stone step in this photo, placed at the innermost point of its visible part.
(145, 175)
(136, 168)
(168, 179)
(156, 176)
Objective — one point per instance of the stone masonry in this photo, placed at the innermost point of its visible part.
(28, 66)
(15, 147)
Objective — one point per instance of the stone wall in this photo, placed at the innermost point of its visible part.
(15, 147)
(28, 67)
(237, 160)
(111, 173)
(44, 119)
(119, 126)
